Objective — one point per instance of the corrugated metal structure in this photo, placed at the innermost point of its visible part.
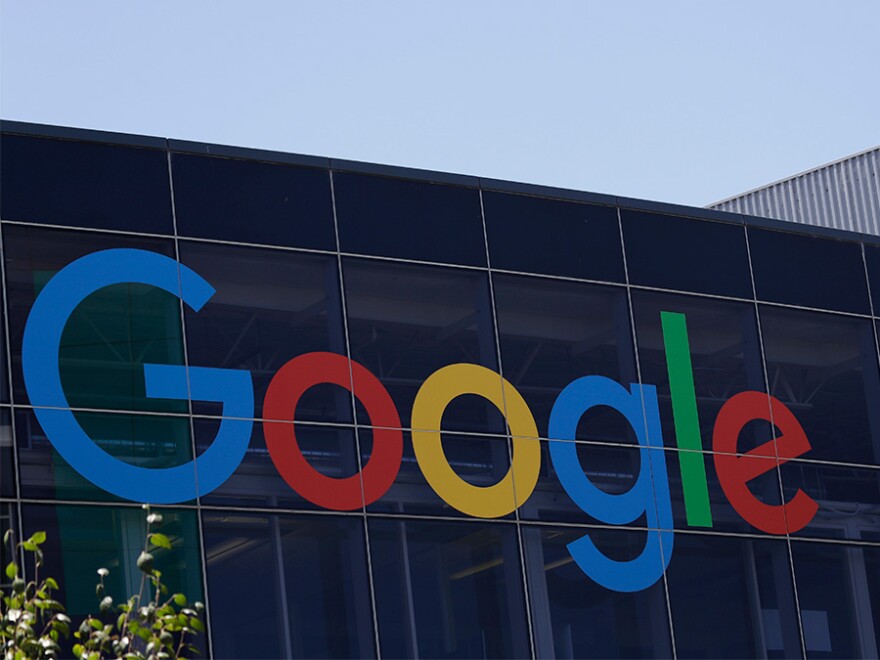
(844, 194)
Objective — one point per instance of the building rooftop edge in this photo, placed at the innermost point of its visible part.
(431, 176)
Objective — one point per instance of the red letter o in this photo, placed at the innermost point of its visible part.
(279, 408)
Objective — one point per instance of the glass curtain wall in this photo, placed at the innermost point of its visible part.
(405, 274)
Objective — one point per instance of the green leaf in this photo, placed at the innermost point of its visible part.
(38, 537)
(196, 624)
(120, 621)
(160, 540)
(30, 546)
(179, 600)
(94, 623)
(51, 583)
(11, 570)
(78, 650)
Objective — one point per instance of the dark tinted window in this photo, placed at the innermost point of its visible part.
(842, 492)
(573, 617)
(253, 202)
(83, 184)
(406, 321)
(111, 335)
(477, 459)
(271, 306)
(147, 441)
(448, 590)
(82, 539)
(288, 586)
(537, 235)
(808, 271)
(732, 597)
(330, 450)
(872, 259)
(725, 358)
(690, 255)
(836, 595)
(824, 368)
(7, 464)
(409, 219)
(552, 332)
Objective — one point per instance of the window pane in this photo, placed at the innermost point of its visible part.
(764, 487)
(732, 597)
(253, 202)
(786, 269)
(478, 460)
(84, 184)
(724, 352)
(690, 255)
(843, 494)
(450, 590)
(328, 449)
(82, 539)
(288, 586)
(872, 259)
(407, 321)
(270, 307)
(538, 235)
(148, 441)
(409, 219)
(838, 600)
(553, 332)
(7, 464)
(613, 469)
(110, 336)
(573, 617)
(824, 368)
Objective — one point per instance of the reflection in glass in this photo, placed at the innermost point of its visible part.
(552, 332)
(270, 306)
(573, 617)
(824, 368)
(732, 597)
(448, 590)
(407, 321)
(288, 586)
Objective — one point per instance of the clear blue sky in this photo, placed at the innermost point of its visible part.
(686, 102)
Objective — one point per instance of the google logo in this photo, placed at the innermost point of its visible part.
(638, 404)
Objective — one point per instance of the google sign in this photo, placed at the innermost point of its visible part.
(649, 496)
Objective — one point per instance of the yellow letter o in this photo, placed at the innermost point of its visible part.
(433, 397)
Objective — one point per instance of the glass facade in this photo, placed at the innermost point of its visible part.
(406, 274)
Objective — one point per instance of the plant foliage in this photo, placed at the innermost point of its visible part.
(149, 625)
